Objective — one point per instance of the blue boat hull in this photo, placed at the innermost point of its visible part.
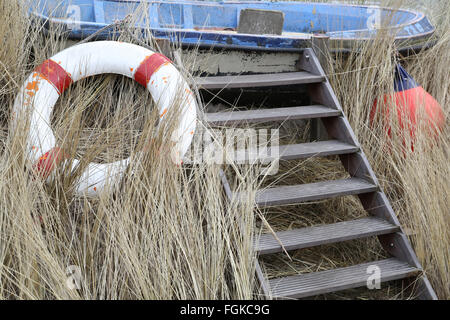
(214, 24)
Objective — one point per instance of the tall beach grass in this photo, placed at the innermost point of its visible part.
(166, 232)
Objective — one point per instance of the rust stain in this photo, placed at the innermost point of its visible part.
(33, 86)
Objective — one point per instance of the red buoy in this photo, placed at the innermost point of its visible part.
(413, 104)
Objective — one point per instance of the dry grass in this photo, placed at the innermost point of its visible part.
(169, 233)
(162, 232)
(415, 182)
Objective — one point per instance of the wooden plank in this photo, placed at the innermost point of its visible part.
(324, 234)
(262, 279)
(268, 115)
(295, 151)
(309, 62)
(315, 149)
(311, 284)
(258, 80)
(425, 290)
(312, 191)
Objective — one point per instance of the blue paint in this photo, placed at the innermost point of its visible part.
(402, 80)
(205, 23)
(99, 11)
(188, 17)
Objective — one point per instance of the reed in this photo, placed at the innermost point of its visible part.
(168, 232)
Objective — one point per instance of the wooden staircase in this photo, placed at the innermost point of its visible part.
(381, 222)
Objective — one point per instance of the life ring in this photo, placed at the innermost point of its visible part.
(44, 86)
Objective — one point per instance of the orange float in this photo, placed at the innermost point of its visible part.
(413, 106)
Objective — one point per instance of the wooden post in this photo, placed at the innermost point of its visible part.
(320, 45)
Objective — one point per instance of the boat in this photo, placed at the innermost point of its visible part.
(283, 28)
(216, 24)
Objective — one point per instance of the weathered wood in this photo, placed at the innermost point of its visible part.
(298, 151)
(312, 191)
(424, 289)
(311, 284)
(258, 80)
(315, 149)
(262, 279)
(309, 62)
(235, 62)
(377, 205)
(268, 115)
(324, 234)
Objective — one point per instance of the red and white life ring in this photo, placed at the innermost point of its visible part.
(44, 86)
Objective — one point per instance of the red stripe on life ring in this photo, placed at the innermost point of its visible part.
(148, 67)
(50, 160)
(55, 74)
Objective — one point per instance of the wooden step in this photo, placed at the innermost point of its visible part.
(258, 80)
(298, 151)
(267, 115)
(315, 149)
(312, 191)
(311, 284)
(324, 234)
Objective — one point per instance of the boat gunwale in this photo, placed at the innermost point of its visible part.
(418, 17)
